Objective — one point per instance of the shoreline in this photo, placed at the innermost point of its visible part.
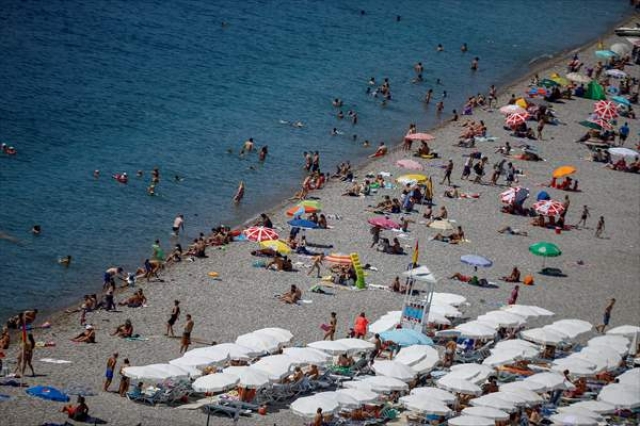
(59, 314)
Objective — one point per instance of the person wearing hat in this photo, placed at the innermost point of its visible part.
(87, 336)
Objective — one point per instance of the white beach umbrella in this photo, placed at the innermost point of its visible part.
(595, 406)
(435, 393)
(307, 355)
(377, 384)
(387, 322)
(630, 377)
(224, 351)
(576, 366)
(412, 355)
(543, 335)
(329, 346)
(308, 406)
(512, 109)
(475, 330)
(492, 401)
(618, 343)
(621, 395)
(421, 273)
(357, 345)
(571, 409)
(579, 78)
(194, 362)
(445, 309)
(448, 298)
(473, 372)
(625, 330)
(507, 356)
(620, 48)
(276, 366)
(548, 382)
(572, 327)
(453, 384)
(514, 398)
(160, 372)
(488, 412)
(425, 365)
(528, 396)
(517, 344)
(527, 310)
(394, 369)
(215, 382)
(497, 319)
(623, 152)
(571, 419)
(426, 406)
(471, 421)
(609, 356)
(248, 377)
(284, 336)
(259, 342)
(355, 397)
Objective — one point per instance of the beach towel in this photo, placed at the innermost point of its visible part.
(55, 361)
(136, 338)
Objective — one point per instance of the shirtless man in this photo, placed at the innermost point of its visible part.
(110, 275)
(317, 263)
(178, 223)
(292, 296)
(247, 146)
(111, 367)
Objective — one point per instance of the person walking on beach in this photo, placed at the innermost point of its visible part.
(600, 227)
(175, 314)
(540, 127)
(186, 334)
(317, 263)
(178, 223)
(123, 388)
(583, 217)
(333, 326)
(25, 356)
(158, 253)
(606, 317)
(514, 296)
(447, 172)
(623, 133)
(466, 170)
(239, 193)
(566, 203)
(375, 235)
(360, 326)
(111, 367)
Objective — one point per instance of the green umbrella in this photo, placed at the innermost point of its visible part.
(548, 83)
(545, 250)
(590, 124)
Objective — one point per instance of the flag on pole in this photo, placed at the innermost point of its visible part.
(416, 252)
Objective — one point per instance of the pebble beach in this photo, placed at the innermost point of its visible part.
(241, 299)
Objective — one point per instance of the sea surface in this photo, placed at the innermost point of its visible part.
(122, 86)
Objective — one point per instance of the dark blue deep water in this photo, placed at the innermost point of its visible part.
(128, 85)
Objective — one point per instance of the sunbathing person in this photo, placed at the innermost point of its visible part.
(465, 278)
(442, 214)
(280, 264)
(124, 330)
(538, 221)
(313, 373)
(514, 277)
(452, 193)
(87, 336)
(512, 231)
(135, 301)
(292, 296)
(344, 360)
(296, 376)
(354, 191)
(80, 412)
(264, 252)
(453, 238)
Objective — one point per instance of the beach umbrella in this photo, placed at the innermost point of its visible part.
(502, 319)
(377, 384)
(383, 222)
(456, 385)
(621, 100)
(198, 362)
(394, 369)
(476, 260)
(339, 258)
(312, 205)
(543, 196)
(621, 395)
(425, 406)
(630, 377)
(572, 327)
(224, 351)
(409, 164)
(543, 336)
(443, 225)
(329, 346)
(577, 367)
(445, 309)
(624, 330)
(523, 392)
(597, 407)
(605, 110)
(570, 409)
(590, 124)
(616, 73)
(512, 109)
(545, 250)
(620, 49)
(411, 178)
(354, 398)
(283, 335)
(159, 372)
(505, 357)
(529, 349)
(275, 366)
(475, 330)
(487, 412)
(623, 152)
(426, 364)
(356, 345)
(406, 337)
(546, 382)
(259, 342)
(560, 80)
(47, 392)
(419, 137)
(492, 400)
(572, 419)
(601, 123)
(563, 171)
(473, 372)
(435, 393)
(302, 224)
(307, 355)
(308, 405)
(605, 54)
(620, 344)
(578, 78)
(549, 207)
(527, 310)
(300, 209)
(515, 195)
(471, 421)
(385, 323)
(260, 233)
(448, 298)
(421, 273)
(215, 382)
(604, 357)
(548, 83)
(249, 378)
(276, 245)
(517, 119)
(538, 91)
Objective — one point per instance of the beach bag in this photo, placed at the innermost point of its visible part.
(528, 280)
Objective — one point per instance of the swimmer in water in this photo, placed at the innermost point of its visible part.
(464, 48)
(122, 178)
(372, 81)
(334, 132)
(366, 144)
(474, 64)
(96, 174)
(337, 103)
(444, 94)
(247, 146)
(439, 107)
(36, 230)
(427, 97)
(262, 155)
(298, 124)
(239, 193)
(151, 190)
(418, 68)
(229, 151)
(155, 175)
(340, 115)
(354, 137)
(398, 18)
(9, 150)
(139, 173)
(177, 178)
(66, 261)
(440, 48)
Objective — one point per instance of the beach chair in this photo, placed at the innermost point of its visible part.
(475, 355)
(227, 410)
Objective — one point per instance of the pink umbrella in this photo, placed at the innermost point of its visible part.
(419, 137)
(549, 207)
(605, 109)
(512, 109)
(339, 258)
(260, 233)
(409, 164)
(384, 222)
(517, 119)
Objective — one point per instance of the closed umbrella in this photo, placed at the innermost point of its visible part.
(563, 171)
(419, 137)
(623, 152)
(384, 223)
(308, 405)
(512, 109)
(453, 384)
(471, 421)
(545, 250)
(276, 245)
(215, 382)
(572, 419)
(260, 233)
(488, 412)
(307, 355)
(378, 384)
(412, 355)
(578, 78)
(406, 337)
(549, 208)
(394, 369)
(605, 110)
(426, 406)
(409, 164)
(621, 396)
(435, 394)
(517, 119)
(260, 342)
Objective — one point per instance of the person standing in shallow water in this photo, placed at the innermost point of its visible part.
(239, 193)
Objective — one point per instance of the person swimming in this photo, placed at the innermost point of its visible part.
(464, 48)
(248, 146)
(122, 178)
(36, 230)
(9, 150)
(440, 48)
(65, 261)
(96, 174)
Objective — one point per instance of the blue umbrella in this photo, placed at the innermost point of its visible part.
(621, 100)
(48, 392)
(605, 53)
(406, 337)
(543, 195)
(303, 224)
(476, 261)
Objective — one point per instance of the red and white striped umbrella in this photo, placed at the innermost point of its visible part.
(549, 207)
(605, 110)
(512, 109)
(604, 124)
(260, 233)
(517, 119)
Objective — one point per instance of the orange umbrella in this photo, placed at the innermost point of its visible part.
(297, 210)
(563, 171)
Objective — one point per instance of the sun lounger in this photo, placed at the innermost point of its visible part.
(227, 410)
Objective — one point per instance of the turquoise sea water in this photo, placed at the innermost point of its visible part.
(126, 85)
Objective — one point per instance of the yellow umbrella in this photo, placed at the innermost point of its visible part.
(563, 171)
(521, 102)
(560, 80)
(411, 178)
(277, 245)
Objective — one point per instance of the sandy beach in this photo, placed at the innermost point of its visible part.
(241, 300)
